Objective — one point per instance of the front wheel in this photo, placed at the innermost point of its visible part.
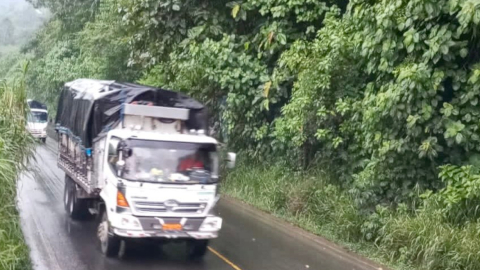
(109, 243)
(197, 248)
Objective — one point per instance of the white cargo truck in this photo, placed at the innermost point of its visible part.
(37, 120)
(140, 159)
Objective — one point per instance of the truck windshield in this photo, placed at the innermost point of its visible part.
(173, 162)
(37, 117)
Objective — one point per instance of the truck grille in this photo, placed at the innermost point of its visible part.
(169, 207)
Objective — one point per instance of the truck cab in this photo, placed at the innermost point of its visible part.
(158, 182)
(37, 120)
(161, 186)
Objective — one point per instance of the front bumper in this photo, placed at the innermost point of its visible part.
(151, 227)
(39, 135)
(167, 235)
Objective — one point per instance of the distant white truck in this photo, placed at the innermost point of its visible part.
(37, 120)
(139, 158)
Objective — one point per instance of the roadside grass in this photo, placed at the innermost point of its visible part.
(396, 238)
(16, 146)
(13, 250)
(427, 241)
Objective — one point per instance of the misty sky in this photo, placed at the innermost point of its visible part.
(18, 23)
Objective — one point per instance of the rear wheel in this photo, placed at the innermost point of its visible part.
(44, 140)
(197, 248)
(76, 208)
(66, 196)
(109, 243)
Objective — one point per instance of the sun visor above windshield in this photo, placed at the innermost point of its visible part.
(33, 104)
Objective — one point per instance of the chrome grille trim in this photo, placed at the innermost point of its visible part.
(161, 207)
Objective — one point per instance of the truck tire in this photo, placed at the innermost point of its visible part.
(76, 208)
(109, 242)
(197, 248)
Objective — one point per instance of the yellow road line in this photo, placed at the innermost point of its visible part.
(224, 259)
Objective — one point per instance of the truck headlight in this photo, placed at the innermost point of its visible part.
(129, 223)
(211, 224)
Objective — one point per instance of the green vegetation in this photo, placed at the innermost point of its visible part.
(426, 238)
(18, 22)
(15, 150)
(359, 119)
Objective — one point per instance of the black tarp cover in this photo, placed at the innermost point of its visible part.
(33, 104)
(88, 107)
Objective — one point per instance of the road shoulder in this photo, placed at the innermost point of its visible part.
(317, 242)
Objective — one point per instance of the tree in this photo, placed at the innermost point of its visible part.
(385, 100)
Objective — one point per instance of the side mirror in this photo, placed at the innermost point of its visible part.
(231, 160)
(120, 165)
(123, 148)
(127, 152)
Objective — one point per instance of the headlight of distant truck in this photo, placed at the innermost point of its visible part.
(211, 224)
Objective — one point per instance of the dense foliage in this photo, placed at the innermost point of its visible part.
(376, 102)
(15, 150)
(388, 98)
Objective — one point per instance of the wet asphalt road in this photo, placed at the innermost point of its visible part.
(249, 239)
